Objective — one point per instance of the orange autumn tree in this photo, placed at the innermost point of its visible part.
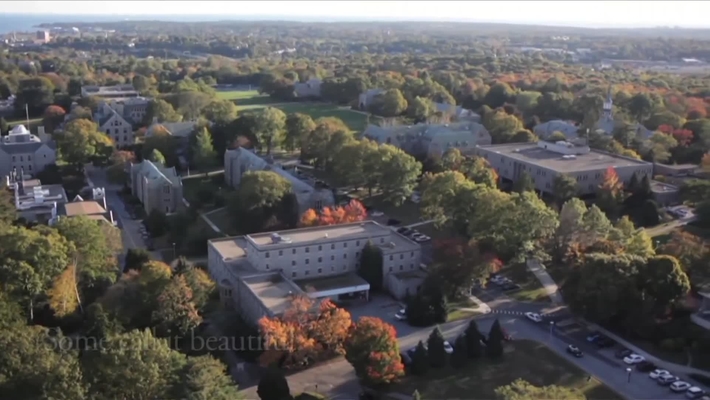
(372, 349)
(303, 332)
(353, 212)
(610, 193)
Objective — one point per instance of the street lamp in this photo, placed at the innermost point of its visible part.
(174, 255)
(552, 326)
(628, 378)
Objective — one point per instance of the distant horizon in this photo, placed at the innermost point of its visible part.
(46, 18)
(582, 14)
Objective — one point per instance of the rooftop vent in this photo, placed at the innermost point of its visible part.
(276, 238)
(325, 236)
(516, 151)
(569, 157)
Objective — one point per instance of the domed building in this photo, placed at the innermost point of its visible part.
(23, 151)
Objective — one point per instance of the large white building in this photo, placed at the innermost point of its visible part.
(308, 194)
(23, 151)
(544, 161)
(259, 274)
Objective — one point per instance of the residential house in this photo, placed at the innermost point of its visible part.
(431, 140)
(308, 194)
(7, 106)
(308, 89)
(156, 186)
(21, 151)
(110, 92)
(35, 202)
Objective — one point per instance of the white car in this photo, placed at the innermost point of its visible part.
(680, 386)
(401, 315)
(694, 392)
(633, 359)
(422, 238)
(377, 213)
(535, 317)
(448, 348)
(658, 373)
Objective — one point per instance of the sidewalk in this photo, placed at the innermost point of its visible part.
(546, 281)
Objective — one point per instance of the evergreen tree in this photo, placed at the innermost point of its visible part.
(371, 266)
(437, 353)
(203, 153)
(634, 183)
(157, 157)
(645, 187)
(494, 347)
(3, 126)
(420, 360)
(274, 386)
(460, 356)
(473, 340)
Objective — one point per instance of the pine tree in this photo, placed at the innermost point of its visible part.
(203, 153)
(437, 353)
(460, 356)
(634, 183)
(473, 340)
(420, 361)
(494, 347)
(274, 386)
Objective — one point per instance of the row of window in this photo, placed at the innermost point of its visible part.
(320, 248)
(320, 270)
(320, 259)
(22, 158)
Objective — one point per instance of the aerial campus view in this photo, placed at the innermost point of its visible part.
(354, 200)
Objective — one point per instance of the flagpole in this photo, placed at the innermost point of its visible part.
(27, 116)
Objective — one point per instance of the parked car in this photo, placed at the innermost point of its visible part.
(658, 373)
(666, 380)
(448, 348)
(535, 317)
(575, 351)
(375, 213)
(593, 336)
(621, 353)
(680, 386)
(694, 392)
(510, 286)
(645, 366)
(393, 222)
(404, 231)
(633, 359)
(422, 239)
(401, 315)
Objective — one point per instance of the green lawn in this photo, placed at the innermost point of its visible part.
(531, 289)
(525, 359)
(214, 182)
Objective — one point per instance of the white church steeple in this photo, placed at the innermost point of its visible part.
(608, 104)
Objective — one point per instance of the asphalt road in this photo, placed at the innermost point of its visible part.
(611, 373)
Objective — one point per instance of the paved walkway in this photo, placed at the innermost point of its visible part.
(546, 281)
(416, 224)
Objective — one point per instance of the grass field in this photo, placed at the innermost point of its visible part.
(252, 100)
(525, 359)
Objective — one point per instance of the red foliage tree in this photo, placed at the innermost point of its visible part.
(353, 212)
(372, 349)
(683, 136)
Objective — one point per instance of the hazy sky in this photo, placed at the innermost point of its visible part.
(583, 13)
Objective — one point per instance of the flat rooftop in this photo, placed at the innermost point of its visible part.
(325, 234)
(274, 291)
(330, 283)
(77, 208)
(230, 248)
(532, 154)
